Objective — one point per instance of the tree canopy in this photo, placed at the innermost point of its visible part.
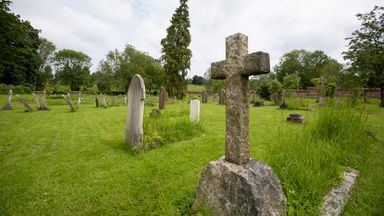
(176, 54)
(19, 42)
(307, 65)
(366, 49)
(72, 68)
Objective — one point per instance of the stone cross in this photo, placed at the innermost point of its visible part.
(194, 110)
(135, 112)
(236, 69)
(162, 98)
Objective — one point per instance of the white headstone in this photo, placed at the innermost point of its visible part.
(194, 110)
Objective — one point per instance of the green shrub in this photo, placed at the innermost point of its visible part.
(3, 88)
(20, 89)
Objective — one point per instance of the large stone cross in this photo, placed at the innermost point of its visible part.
(236, 69)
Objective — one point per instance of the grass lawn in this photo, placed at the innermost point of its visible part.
(61, 163)
(195, 88)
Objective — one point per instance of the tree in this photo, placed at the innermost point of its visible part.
(291, 81)
(176, 54)
(306, 64)
(117, 69)
(72, 68)
(46, 53)
(366, 50)
(19, 41)
(198, 80)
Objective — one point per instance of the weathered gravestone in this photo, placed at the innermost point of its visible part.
(162, 98)
(8, 105)
(79, 99)
(194, 110)
(236, 184)
(135, 112)
(204, 96)
(322, 92)
(104, 101)
(36, 100)
(24, 103)
(43, 104)
(222, 96)
(68, 99)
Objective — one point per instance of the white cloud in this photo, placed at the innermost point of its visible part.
(98, 26)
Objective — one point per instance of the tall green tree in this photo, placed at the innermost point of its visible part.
(72, 68)
(46, 53)
(366, 49)
(176, 53)
(19, 41)
(307, 65)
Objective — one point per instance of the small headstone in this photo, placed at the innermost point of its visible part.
(68, 99)
(43, 104)
(135, 112)
(258, 104)
(155, 113)
(222, 97)
(8, 105)
(162, 98)
(296, 118)
(125, 99)
(194, 110)
(24, 103)
(237, 185)
(204, 96)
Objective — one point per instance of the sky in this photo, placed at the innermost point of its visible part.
(276, 26)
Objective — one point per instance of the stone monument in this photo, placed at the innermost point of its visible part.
(24, 103)
(222, 96)
(162, 98)
(194, 110)
(68, 99)
(8, 105)
(135, 112)
(43, 104)
(204, 96)
(236, 184)
(36, 100)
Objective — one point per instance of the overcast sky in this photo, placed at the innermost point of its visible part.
(276, 26)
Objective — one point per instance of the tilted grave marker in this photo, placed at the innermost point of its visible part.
(24, 103)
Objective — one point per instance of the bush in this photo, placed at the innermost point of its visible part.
(3, 88)
(20, 89)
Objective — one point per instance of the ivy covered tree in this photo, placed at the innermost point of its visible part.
(176, 54)
(366, 50)
(46, 52)
(19, 41)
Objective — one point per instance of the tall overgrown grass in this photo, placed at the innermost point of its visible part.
(310, 158)
(169, 127)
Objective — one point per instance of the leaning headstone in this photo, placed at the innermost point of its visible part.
(43, 104)
(236, 184)
(322, 92)
(204, 96)
(162, 98)
(135, 112)
(68, 99)
(194, 110)
(8, 105)
(222, 97)
(104, 101)
(36, 100)
(24, 103)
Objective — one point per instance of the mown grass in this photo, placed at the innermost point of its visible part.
(61, 163)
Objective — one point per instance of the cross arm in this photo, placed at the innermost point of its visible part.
(218, 70)
(256, 63)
